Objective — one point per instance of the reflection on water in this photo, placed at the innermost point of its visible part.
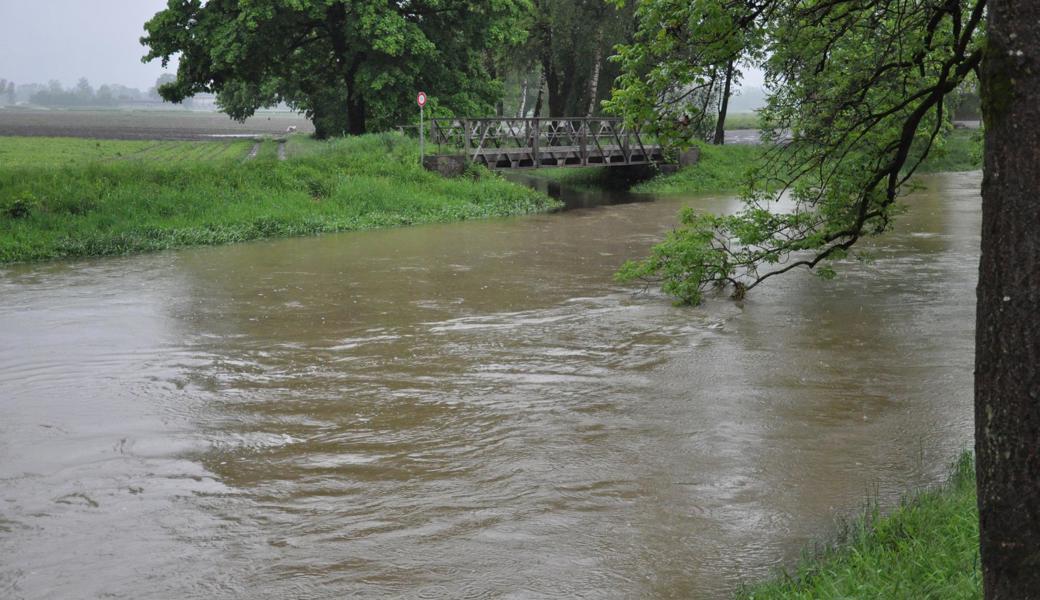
(471, 410)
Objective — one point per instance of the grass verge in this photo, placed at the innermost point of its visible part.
(926, 548)
(107, 207)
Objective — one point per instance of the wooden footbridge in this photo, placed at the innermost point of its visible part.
(526, 143)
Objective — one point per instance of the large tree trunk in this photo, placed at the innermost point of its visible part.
(1007, 343)
(356, 113)
(335, 17)
(554, 82)
(720, 125)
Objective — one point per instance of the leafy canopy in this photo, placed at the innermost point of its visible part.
(350, 65)
(859, 96)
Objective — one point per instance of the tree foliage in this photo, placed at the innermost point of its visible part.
(573, 41)
(350, 65)
(686, 56)
(859, 96)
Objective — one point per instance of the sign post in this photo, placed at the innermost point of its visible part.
(421, 100)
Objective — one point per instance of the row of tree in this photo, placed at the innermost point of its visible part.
(82, 94)
(354, 65)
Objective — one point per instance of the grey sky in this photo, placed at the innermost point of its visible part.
(42, 40)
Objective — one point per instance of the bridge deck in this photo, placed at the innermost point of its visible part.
(502, 143)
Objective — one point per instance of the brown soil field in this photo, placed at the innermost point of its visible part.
(143, 124)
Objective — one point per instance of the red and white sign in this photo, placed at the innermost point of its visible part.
(421, 99)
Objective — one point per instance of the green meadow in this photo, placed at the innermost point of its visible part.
(70, 197)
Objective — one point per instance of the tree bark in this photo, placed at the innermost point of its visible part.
(356, 109)
(521, 111)
(1007, 343)
(594, 82)
(541, 92)
(356, 112)
(336, 17)
(720, 125)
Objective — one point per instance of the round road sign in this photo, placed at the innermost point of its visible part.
(421, 99)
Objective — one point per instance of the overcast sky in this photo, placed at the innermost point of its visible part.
(42, 40)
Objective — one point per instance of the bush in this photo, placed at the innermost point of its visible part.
(20, 207)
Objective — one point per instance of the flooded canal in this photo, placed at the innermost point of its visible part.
(467, 411)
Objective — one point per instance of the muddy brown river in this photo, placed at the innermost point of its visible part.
(467, 411)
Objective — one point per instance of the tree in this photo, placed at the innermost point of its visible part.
(573, 40)
(164, 79)
(1007, 346)
(679, 73)
(861, 90)
(864, 88)
(350, 65)
(84, 92)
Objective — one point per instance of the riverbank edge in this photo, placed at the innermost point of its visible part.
(121, 207)
(927, 547)
(725, 169)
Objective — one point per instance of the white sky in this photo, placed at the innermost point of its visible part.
(42, 40)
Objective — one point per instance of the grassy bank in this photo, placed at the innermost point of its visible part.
(926, 548)
(67, 198)
(720, 169)
(723, 169)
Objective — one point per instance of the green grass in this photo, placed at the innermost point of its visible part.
(720, 169)
(744, 120)
(176, 194)
(927, 548)
(21, 152)
(723, 169)
(961, 151)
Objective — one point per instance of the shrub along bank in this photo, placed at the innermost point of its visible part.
(119, 205)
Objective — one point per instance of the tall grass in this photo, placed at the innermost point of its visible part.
(927, 548)
(118, 207)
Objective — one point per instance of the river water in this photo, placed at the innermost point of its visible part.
(467, 411)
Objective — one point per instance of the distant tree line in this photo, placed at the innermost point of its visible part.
(83, 94)
(7, 91)
(355, 65)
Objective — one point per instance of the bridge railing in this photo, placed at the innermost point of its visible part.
(503, 142)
